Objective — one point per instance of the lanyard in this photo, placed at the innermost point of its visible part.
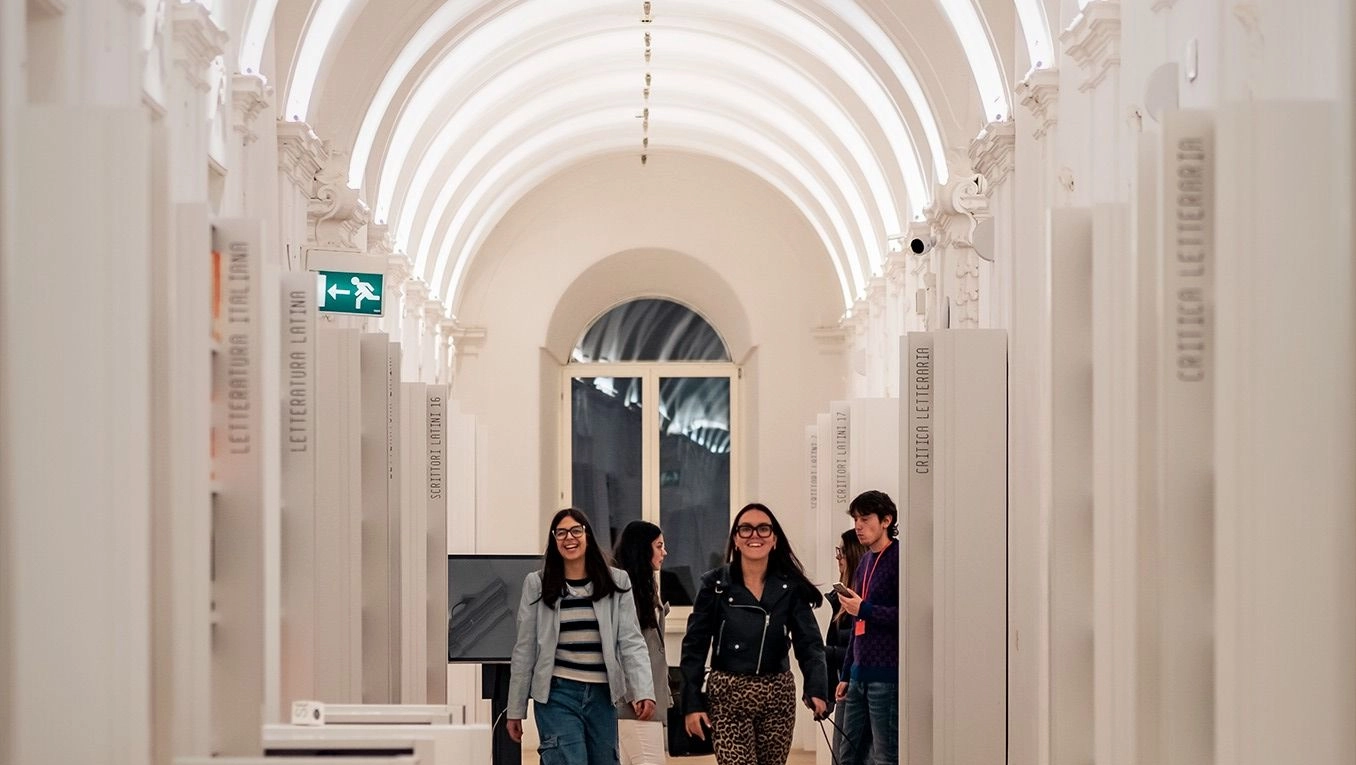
(866, 580)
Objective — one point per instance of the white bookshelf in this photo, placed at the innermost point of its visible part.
(413, 601)
(338, 530)
(437, 456)
(381, 532)
(954, 580)
(302, 632)
(241, 505)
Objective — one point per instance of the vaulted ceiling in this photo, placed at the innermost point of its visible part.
(450, 112)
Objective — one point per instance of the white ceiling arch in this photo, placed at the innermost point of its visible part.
(824, 174)
(823, 134)
(443, 78)
(478, 204)
(856, 140)
(517, 23)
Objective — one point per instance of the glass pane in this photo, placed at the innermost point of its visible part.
(606, 452)
(694, 479)
(650, 330)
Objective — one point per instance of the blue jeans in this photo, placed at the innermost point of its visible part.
(578, 724)
(870, 724)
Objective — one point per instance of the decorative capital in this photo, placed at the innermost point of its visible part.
(398, 268)
(434, 313)
(198, 41)
(875, 295)
(468, 340)
(831, 341)
(1093, 40)
(897, 261)
(957, 209)
(1039, 93)
(335, 212)
(992, 153)
(379, 242)
(301, 154)
(416, 294)
(250, 94)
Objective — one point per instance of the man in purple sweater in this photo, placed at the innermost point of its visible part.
(869, 685)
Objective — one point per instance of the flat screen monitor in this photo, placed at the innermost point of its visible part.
(482, 598)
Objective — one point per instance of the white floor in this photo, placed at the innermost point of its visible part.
(798, 757)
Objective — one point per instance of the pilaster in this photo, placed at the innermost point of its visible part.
(198, 41)
(414, 296)
(447, 349)
(250, 95)
(831, 341)
(301, 154)
(993, 151)
(1094, 40)
(1039, 93)
(412, 299)
(953, 216)
(335, 212)
(431, 340)
(469, 340)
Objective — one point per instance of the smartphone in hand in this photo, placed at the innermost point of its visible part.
(843, 589)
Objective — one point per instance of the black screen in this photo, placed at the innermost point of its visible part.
(482, 598)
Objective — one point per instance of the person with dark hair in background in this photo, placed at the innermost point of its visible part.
(849, 554)
(869, 683)
(748, 614)
(640, 552)
(579, 650)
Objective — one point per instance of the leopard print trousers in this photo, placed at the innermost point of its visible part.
(752, 716)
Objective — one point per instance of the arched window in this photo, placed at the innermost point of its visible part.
(650, 329)
(652, 398)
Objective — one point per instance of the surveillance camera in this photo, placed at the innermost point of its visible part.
(920, 245)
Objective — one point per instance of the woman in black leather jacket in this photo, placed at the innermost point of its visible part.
(748, 614)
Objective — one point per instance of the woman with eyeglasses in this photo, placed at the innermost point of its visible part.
(579, 651)
(749, 614)
(640, 552)
(849, 554)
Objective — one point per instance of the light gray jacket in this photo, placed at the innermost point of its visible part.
(534, 654)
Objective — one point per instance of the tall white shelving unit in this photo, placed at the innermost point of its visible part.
(954, 584)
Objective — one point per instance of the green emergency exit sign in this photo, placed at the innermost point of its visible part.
(349, 292)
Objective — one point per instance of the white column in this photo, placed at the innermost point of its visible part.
(953, 216)
(878, 351)
(301, 154)
(251, 96)
(412, 301)
(398, 271)
(431, 341)
(447, 349)
(992, 155)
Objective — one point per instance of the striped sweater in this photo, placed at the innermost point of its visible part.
(579, 653)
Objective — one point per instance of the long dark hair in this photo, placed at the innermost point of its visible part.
(634, 553)
(781, 561)
(595, 563)
(853, 550)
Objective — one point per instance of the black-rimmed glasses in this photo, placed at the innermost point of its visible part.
(574, 531)
(763, 530)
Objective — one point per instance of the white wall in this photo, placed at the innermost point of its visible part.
(690, 219)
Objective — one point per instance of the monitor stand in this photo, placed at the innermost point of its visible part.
(494, 685)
